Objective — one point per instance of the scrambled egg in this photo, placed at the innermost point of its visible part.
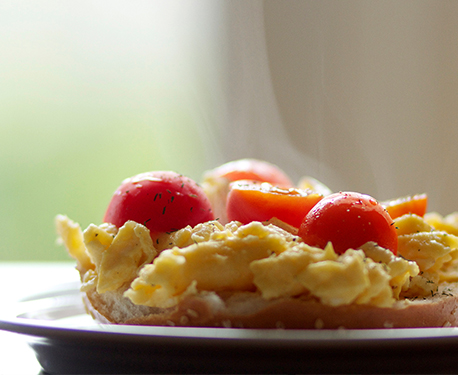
(263, 258)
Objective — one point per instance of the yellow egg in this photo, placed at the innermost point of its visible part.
(264, 258)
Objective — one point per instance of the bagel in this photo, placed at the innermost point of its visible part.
(401, 293)
(250, 310)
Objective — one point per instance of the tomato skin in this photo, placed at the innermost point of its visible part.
(415, 204)
(163, 201)
(252, 169)
(348, 220)
(249, 201)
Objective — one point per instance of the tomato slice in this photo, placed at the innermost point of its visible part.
(252, 169)
(348, 220)
(415, 204)
(216, 181)
(162, 201)
(249, 201)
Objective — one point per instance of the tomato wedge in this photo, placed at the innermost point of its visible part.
(414, 204)
(163, 201)
(249, 201)
(348, 220)
(251, 169)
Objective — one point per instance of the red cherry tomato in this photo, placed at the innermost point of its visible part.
(162, 201)
(348, 220)
(249, 201)
(252, 169)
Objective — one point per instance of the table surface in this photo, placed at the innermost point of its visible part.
(18, 280)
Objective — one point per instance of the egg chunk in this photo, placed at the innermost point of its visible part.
(222, 263)
(109, 258)
(264, 258)
(267, 259)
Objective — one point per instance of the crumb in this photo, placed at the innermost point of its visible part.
(238, 324)
(319, 324)
(192, 313)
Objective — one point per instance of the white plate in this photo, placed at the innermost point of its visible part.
(66, 340)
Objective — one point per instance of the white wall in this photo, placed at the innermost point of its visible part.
(361, 94)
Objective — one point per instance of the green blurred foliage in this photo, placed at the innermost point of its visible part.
(73, 170)
(90, 93)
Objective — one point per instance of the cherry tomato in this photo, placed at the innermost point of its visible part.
(348, 220)
(252, 169)
(162, 201)
(416, 204)
(249, 201)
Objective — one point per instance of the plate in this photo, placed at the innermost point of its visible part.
(66, 340)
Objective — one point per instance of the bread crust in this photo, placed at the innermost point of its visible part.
(250, 310)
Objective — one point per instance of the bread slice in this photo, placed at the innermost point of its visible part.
(250, 310)
(232, 305)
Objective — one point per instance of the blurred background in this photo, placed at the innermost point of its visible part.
(360, 94)
(92, 92)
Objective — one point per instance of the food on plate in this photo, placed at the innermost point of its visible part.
(216, 182)
(415, 204)
(249, 201)
(348, 220)
(251, 169)
(311, 183)
(344, 263)
(162, 201)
